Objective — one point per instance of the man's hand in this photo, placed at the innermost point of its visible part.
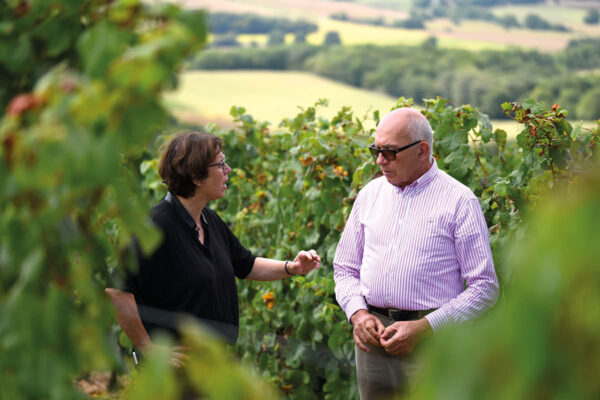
(367, 329)
(305, 262)
(402, 336)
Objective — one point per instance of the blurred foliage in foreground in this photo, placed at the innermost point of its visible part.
(81, 86)
(542, 342)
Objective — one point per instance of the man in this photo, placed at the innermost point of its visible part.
(413, 238)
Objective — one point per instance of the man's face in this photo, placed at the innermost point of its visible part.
(404, 170)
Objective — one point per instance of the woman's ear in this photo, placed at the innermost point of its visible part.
(197, 182)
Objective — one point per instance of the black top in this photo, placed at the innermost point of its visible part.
(183, 276)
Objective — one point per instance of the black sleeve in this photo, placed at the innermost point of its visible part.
(149, 272)
(131, 276)
(241, 258)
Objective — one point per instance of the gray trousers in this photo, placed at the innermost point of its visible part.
(383, 376)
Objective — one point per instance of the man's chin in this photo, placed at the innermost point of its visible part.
(391, 180)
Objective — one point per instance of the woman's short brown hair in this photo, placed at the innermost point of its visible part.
(185, 158)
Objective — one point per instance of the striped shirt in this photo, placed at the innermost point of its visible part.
(414, 249)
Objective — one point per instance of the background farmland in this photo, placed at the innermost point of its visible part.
(467, 58)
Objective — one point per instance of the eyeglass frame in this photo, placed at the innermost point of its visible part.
(219, 164)
(376, 151)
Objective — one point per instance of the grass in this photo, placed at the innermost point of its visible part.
(352, 33)
(207, 96)
(552, 13)
(469, 35)
(355, 34)
(399, 5)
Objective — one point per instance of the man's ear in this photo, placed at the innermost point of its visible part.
(423, 150)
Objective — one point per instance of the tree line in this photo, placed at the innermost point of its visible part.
(220, 23)
(457, 11)
(485, 78)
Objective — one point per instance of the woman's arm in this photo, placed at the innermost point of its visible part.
(129, 318)
(266, 269)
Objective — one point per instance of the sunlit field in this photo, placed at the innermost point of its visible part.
(356, 34)
(266, 95)
(468, 34)
(553, 13)
(207, 96)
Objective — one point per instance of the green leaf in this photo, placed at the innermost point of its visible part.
(500, 136)
(576, 132)
(100, 45)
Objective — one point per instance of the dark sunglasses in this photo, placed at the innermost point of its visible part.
(389, 154)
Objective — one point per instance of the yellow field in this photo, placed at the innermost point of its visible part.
(553, 13)
(355, 34)
(469, 35)
(207, 96)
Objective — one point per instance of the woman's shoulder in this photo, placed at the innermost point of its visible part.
(212, 216)
(162, 213)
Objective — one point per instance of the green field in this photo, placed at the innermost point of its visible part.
(207, 96)
(267, 95)
(556, 14)
(399, 5)
(353, 33)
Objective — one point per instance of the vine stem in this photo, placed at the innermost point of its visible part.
(477, 153)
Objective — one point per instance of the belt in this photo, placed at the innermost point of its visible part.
(400, 315)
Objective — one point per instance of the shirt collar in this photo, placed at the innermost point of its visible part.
(422, 181)
(427, 177)
(171, 198)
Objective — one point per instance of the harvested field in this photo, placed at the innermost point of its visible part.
(297, 8)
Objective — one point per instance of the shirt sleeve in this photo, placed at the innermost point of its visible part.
(347, 262)
(476, 266)
(241, 258)
(148, 273)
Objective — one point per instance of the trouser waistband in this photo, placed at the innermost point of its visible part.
(400, 315)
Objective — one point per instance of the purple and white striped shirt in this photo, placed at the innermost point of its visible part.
(413, 249)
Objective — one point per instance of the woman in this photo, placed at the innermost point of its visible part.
(193, 271)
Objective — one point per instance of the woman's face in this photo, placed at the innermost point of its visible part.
(214, 185)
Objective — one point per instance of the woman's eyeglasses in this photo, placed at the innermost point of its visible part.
(221, 164)
(389, 154)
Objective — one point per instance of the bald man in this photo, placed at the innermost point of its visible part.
(414, 237)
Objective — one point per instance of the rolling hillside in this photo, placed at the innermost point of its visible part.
(207, 96)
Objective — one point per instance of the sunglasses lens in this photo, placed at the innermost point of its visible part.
(389, 155)
(374, 152)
